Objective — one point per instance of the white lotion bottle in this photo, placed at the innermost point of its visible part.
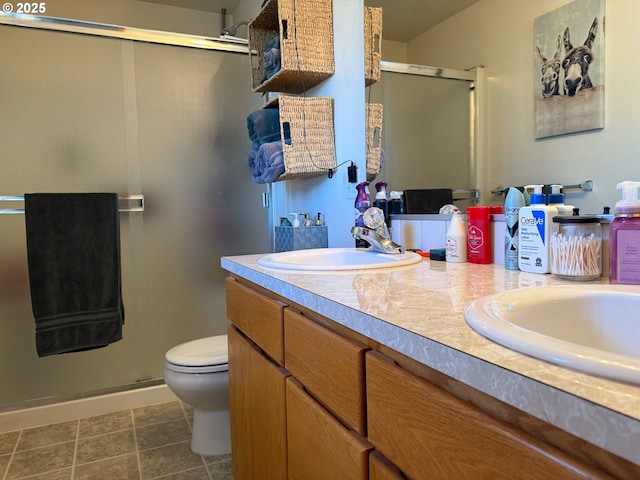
(512, 205)
(456, 239)
(535, 233)
(556, 199)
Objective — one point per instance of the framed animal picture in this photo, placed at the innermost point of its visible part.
(568, 78)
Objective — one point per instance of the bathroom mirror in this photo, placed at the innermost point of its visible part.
(428, 129)
(429, 120)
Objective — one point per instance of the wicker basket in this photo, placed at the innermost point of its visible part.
(372, 44)
(307, 133)
(305, 28)
(374, 139)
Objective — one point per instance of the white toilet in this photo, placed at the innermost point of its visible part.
(198, 373)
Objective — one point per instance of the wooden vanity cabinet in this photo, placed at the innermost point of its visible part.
(312, 399)
(428, 433)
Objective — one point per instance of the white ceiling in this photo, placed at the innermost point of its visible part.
(402, 20)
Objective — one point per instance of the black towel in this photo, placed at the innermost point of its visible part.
(427, 200)
(73, 251)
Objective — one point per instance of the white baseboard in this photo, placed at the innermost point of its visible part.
(85, 407)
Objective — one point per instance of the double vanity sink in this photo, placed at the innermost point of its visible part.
(570, 358)
(594, 328)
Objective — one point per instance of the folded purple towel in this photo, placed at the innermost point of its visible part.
(267, 163)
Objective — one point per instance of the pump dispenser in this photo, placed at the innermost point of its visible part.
(396, 204)
(535, 233)
(624, 236)
(556, 199)
(381, 200)
(361, 204)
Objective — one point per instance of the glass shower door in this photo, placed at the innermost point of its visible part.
(84, 114)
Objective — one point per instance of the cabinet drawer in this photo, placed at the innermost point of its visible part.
(258, 317)
(330, 366)
(429, 433)
(319, 446)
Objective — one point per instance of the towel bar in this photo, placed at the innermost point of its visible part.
(125, 206)
(586, 186)
(466, 194)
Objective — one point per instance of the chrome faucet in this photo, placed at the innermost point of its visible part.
(377, 242)
(376, 234)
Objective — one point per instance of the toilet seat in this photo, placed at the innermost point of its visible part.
(205, 355)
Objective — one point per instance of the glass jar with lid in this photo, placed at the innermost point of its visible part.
(576, 247)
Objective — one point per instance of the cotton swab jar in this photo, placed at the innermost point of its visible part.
(576, 248)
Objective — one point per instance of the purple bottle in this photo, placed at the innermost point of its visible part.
(361, 204)
(624, 236)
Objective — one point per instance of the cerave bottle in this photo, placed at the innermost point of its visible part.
(535, 233)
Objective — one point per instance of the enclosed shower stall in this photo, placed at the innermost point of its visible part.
(85, 112)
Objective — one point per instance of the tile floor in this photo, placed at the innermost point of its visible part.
(151, 442)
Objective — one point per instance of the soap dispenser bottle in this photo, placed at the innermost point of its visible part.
(361, 204)
(535, 233)
(381, 200)
(556, 199)
(624, 236)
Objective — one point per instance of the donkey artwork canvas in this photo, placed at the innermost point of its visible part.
(569, 86)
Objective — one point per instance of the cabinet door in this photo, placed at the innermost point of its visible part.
(319, 446)
(380, 468)
(429, 433)
(329, 366)
(258, 412)
(258, 317)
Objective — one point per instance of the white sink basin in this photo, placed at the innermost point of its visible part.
(594, 328)
(336, 259)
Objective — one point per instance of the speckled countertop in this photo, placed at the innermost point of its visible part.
(418, 310)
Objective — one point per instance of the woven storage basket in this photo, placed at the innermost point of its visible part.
(308, 123)
(305, 28)
(372, 44)
(374, 139)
